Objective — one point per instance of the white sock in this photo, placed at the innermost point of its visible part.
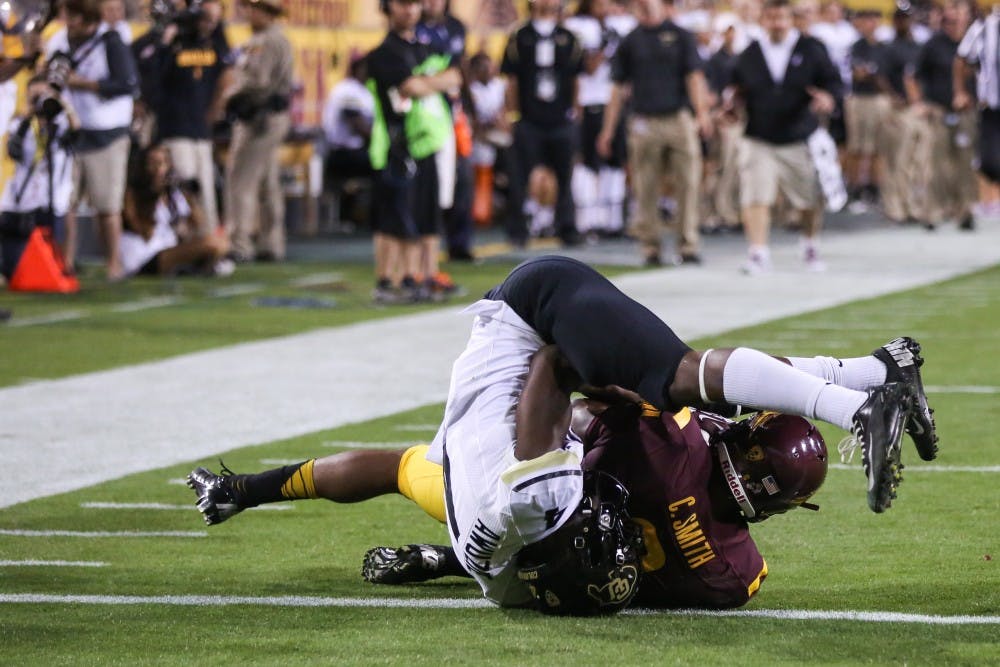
(755, 379)
(860, 373)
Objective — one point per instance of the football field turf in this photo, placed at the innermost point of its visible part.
(126, 573)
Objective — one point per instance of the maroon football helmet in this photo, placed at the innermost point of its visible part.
(772, 463)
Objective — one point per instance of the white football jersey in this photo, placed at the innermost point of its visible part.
(495, 503)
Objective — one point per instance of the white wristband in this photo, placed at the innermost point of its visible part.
(701, 376)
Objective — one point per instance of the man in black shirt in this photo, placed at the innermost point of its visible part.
(785, 80)
(867, 106)
(411, 124)
(660, 62)
(541, 63)
(187, 66)
(950, 175)
(900, 134)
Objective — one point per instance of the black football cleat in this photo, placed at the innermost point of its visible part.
(878, 429)
(217, 499)
(410, 564)
(902, 360)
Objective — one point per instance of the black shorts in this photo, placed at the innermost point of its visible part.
(606, 336)
(590, 127)
(406, 204)
(989, 144)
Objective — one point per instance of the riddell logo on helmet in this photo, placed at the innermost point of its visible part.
(733, 480)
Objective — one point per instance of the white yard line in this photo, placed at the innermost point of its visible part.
(239, 289)
(920, 467)
(470, 603)
(51, 318)
(61, 435)
(317, 279)
(165, 506)
(354, 444)
(961, 389)
(102, 533)
(146, 304)
(52, 563)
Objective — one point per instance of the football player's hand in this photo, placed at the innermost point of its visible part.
(611, 394)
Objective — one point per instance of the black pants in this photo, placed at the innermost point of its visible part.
(989, 144)
(458, 219)
(590, 127)
(553, 147)
(606, 336)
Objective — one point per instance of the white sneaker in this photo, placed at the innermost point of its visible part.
(224, 267)
(756, 264)
(813, 263)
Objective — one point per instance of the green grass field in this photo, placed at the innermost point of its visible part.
(934, 554)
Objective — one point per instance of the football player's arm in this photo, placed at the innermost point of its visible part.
(428, 84)
(543, 412)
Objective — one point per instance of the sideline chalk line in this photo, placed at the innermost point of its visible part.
(469, 603)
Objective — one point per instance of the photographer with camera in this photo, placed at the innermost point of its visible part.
(185, 67)
(100, 80)
(258, 100)
(39, 193)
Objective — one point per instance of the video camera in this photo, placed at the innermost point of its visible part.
(164, 13)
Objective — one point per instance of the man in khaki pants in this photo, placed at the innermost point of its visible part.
(784, 80)
(950, 173)
(259, 99)
(660, 62)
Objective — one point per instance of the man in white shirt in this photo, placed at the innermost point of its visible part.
(347, 123)
(100, 86)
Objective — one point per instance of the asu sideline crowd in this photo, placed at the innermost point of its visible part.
(600, 118)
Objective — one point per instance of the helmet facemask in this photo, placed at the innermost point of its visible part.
(590, 565)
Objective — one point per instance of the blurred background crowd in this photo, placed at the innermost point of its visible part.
(195, 135)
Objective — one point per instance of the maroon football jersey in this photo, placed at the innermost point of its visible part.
(699, 552)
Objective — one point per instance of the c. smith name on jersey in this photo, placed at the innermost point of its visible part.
(690, 538)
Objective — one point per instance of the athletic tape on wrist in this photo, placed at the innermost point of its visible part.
(701, 376)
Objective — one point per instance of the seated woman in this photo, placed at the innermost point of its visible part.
(160, 224)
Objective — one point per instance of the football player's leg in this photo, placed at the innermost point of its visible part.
(607, 337)
(747, 377)
(347, 477)
(898, 360)
(422, 481)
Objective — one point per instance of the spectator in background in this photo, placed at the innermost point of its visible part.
(101, 87)
(445, 34)
(412, 123)
(659, 63)
(192, 60)
(490, 131)
(866, 108)
(784, 81)
(837, 35)
(39, 192)
(598, 182)
(259, 99)
(980, 50)
(950, 177)
(161, 234)
(901, 129)
(541, 62)
(728, 133)
(113, 16)
(347, 124)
